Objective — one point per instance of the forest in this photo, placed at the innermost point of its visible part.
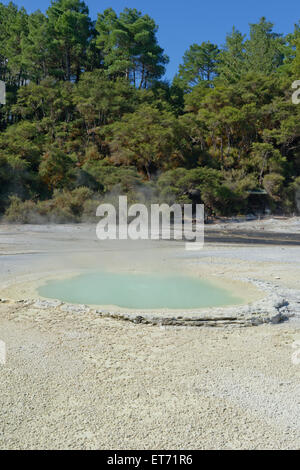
(89, 116)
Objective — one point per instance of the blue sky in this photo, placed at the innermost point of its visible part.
(182, 23)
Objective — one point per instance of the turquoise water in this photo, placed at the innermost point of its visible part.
(139, 291)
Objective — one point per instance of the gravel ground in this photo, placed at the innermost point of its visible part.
(270, 224)
(89, 383)
(80, 381)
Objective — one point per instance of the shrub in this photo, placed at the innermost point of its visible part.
(20, 212)
(273, 184)
(64, 207)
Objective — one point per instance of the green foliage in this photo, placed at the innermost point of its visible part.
(145, 139)
(231, 58)
(129, 46)
(199, 64)
(20, 212)
(263, 51)
(273, 184)
(88, 116)
(64, 207)
(110, 178)
(55, 169)
(102, 101)
(70, 30)
(210, 186)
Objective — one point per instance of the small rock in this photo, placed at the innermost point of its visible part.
(276, 319)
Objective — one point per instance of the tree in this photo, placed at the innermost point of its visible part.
(100, 100)
(145, 139)
(263, 51)
(266, 159)
(55, 169)
(231, 59)
(199, 64)
(86, 105)
(13, 28)
(70, 28)
(294, 58)
(129, 46)
(36, 47)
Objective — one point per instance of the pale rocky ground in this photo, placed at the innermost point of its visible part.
(269, 224)
(81, 381)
